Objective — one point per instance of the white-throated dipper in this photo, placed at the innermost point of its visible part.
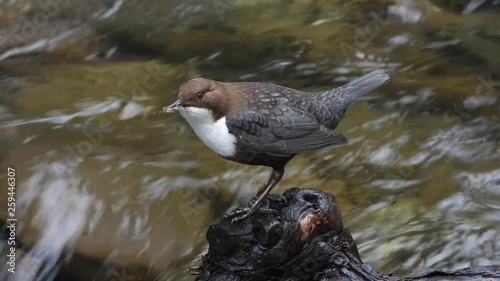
(265, 124)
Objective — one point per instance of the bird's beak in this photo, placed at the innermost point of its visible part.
(172, 108)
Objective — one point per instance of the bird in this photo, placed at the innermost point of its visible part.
(265, 124)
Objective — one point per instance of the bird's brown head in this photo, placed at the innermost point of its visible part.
(201, 93)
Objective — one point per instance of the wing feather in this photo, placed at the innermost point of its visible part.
(282, 131)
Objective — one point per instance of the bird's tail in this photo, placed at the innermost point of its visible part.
(343, 96)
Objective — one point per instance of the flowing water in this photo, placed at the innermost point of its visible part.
(110, 189)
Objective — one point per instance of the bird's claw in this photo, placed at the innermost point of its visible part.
(242, 213)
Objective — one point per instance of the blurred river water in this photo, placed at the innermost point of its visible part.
(110, 189)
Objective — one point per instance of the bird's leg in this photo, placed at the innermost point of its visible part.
(243, 213)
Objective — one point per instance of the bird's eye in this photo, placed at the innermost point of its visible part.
(200, 95)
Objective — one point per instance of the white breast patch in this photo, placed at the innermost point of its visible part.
(214, 134)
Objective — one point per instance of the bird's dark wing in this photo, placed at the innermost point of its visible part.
(281, 131)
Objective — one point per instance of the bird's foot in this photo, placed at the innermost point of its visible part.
(244, 212)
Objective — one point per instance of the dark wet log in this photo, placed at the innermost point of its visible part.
(302, 239)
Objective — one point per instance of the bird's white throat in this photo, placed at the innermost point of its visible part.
(213, 133)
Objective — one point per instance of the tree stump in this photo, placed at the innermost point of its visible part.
(304, 238)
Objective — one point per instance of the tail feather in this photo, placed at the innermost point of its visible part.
(344, 95)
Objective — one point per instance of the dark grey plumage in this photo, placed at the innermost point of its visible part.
(280, 122)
